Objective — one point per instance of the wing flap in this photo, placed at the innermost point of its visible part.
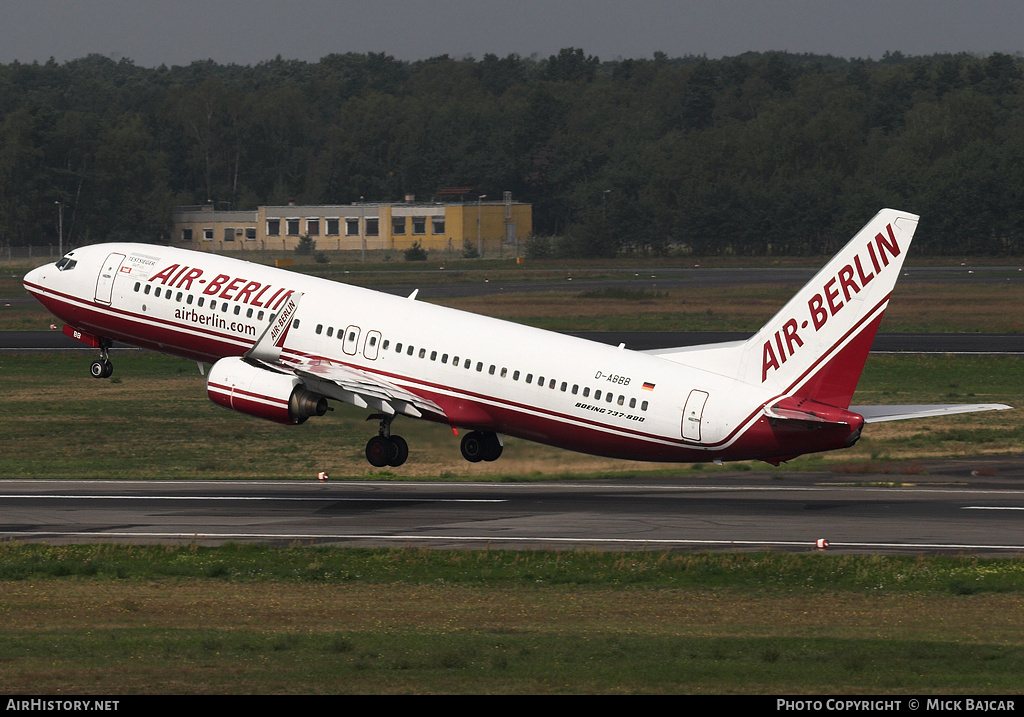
(363, 389)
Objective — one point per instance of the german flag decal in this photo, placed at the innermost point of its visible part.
(648, 386)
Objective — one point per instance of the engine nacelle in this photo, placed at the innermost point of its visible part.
(255, 391)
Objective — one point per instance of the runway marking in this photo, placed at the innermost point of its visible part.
(809, 544)
(324, 499)
(991, 507)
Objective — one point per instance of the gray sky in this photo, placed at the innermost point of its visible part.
(176, 32)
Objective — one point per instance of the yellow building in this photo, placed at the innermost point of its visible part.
(491, 228)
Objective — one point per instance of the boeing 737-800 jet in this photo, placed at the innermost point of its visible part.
(282, 344)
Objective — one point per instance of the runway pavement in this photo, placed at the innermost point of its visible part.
(971, 506)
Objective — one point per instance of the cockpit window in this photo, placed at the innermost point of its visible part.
(66, 264)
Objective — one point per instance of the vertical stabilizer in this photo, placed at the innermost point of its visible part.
(816, 345)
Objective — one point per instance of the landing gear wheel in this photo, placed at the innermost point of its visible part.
(101, 369)
(478, 446)
(391, 451)
(378, 451)
(401, 451)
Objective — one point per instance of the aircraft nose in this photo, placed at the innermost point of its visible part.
(37, 276)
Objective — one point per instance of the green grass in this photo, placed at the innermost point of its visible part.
(305, 620)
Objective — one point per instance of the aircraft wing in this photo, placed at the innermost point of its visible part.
(878, 414)
(361, 388)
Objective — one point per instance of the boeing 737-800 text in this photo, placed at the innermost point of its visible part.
(282, 344)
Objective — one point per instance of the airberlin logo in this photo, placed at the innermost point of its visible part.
(222, 286)
(835, 293)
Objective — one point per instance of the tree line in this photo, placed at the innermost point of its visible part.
(763, 153)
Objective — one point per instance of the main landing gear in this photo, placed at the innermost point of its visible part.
(385, 449)
(481, 446)
(102, 367)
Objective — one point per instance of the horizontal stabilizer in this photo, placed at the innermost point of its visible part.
(878, 414)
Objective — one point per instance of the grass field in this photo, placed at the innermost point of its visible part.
(305, 620)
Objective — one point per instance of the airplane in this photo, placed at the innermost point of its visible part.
(283, 344)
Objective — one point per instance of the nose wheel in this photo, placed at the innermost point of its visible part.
(102, 367)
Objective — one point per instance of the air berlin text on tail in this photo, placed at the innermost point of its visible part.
(834, 294)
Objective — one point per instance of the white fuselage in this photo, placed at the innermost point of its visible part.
(486, 374)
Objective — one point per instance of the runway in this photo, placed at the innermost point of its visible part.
(950, 507)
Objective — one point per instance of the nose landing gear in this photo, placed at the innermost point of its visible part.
(102, 367)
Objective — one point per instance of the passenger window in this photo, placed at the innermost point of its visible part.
(202, 300)
(157, 292)
(491, 370)
(433, 355)
(188, 299)
(515, 375)
(138, 285)
(479, 366)
(238, 309)
(178, 297)
(622, 400)
(423, 353)
(330, 331)
(398, 348)
(575, 389)
(408, 351)
(213, 304)
(504, 372)
(387, 342)
(540, 381)
(529, 378)
(643, 406)
(586, 391)
(564, 386)
(597, 395)
(632, 403)
(466, 366)
(146, 290)
(319, 329)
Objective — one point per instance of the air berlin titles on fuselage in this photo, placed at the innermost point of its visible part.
(836, 292)
(223, 286)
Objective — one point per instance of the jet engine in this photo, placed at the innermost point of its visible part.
(255, 391)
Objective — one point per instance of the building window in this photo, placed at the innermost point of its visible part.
(333, 227)
(273, 227)
(313, 227)
(437, 225)
(372, 227)
(398, 225)
(186, 234)
(208, 234)
(419, 225)
(229, 233)
(292, 226)
(250, 233)
(351, 227)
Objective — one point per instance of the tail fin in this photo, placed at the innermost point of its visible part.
(816, 345)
